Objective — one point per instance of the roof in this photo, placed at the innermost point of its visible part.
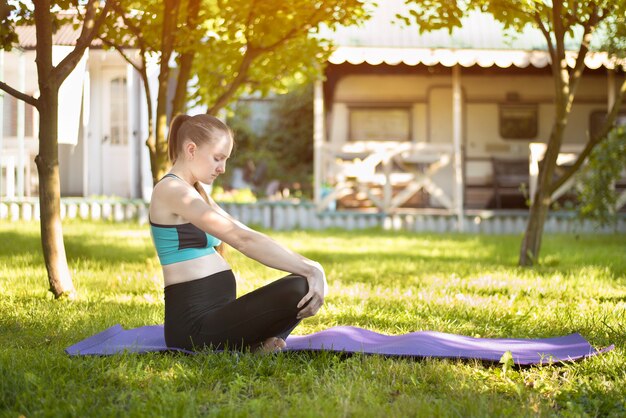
(481, 40)
(464, 57)
(66, 35)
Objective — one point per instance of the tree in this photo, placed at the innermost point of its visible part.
(261, 46)
(599, 198)
(556, 19)
(283, 148)
(152, 29)
(226, 47)
(43, 14)
(290, 137)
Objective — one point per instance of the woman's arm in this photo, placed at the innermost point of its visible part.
(222, 212)
(225, 214)
(187, 203)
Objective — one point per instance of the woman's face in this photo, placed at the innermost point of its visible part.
(211, 159)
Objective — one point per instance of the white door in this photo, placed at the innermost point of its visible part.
(116, 156)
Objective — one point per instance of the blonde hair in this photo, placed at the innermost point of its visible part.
(199, 129)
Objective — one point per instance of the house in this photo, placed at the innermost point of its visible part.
(403, 120)
(438, 120)
(102, 123)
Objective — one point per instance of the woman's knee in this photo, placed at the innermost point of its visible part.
(294, 288)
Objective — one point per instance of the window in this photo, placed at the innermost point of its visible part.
(119, 113)
(380, 124)
(518, 121)
(597, 118)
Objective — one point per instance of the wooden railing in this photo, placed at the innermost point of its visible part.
(375, 169)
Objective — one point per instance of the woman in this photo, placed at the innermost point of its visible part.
(201, 308)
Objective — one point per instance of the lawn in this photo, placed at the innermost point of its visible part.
(385, 281)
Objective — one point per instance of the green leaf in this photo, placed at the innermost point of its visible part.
(507, 362)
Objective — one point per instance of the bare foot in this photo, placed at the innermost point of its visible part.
(271, 345)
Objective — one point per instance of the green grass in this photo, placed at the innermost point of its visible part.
(387, 282)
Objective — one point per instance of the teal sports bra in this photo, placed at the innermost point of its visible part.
(176, 243)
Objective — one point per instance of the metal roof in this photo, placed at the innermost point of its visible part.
(478, 31)
(481, 40)
(464, 57)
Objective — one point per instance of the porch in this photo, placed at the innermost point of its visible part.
(392, 177)
(450, 136)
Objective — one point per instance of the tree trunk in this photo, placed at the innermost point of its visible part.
(48, 159)
(184, 74)
(531, 243)
(151, 140)
(50, 196)
(161, 160)
(185, 62)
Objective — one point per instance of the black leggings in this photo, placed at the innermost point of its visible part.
(206, 312)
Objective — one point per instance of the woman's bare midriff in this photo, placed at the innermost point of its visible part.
(197, 268)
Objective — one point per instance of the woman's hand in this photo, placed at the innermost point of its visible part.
(314, 299)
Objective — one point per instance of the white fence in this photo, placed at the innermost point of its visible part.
(288, 216)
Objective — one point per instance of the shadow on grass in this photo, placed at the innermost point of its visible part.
(93, 248)
(112, 253)
(564, 254)
(20, 244)
(431, 253)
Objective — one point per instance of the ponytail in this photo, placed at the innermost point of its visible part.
(172, 137)
(201, 190)
(221, 249)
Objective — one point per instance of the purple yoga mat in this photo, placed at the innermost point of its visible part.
(571, 347)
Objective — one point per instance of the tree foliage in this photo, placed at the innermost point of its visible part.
(558, 20)
(598, 194)
(8, 37)
(615, 40)
(255, 46)
(224, 49)
(284, 146)
(152, 29)
(290, 137)
(599, 199)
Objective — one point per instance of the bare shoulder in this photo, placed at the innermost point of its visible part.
(176, 202)
(168, 199)
(170, 187)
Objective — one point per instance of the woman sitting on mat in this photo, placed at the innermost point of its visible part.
(201, 308)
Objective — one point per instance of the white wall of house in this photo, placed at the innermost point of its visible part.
(19, 72)
(428, 96)
(109, 156)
